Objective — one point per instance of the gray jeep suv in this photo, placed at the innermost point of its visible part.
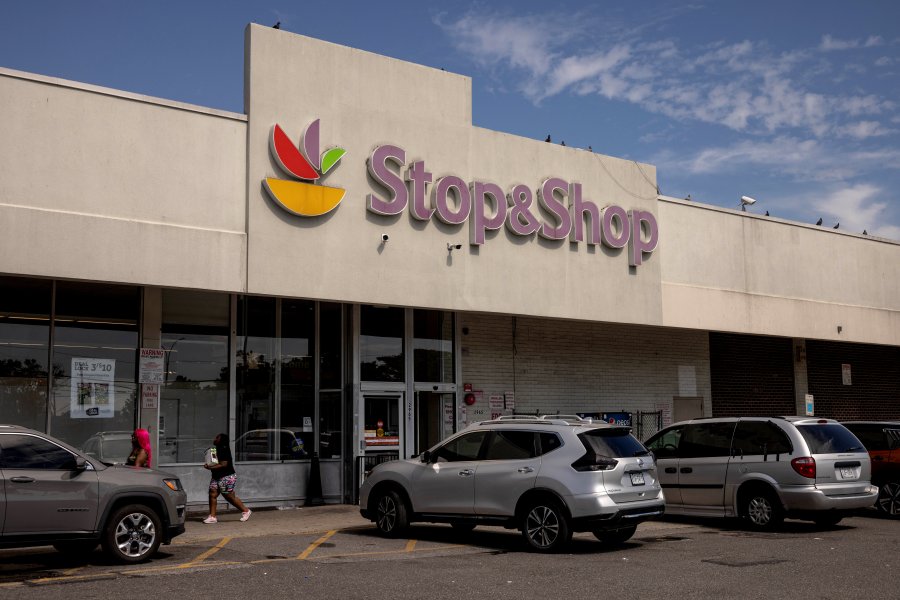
(51, 494)
(763, 469)
(547, 476)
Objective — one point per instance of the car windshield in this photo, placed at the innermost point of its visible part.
(116, 450)
(614, 443)
(828, 438)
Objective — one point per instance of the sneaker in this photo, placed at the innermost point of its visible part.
(210, 520)
(246, 514)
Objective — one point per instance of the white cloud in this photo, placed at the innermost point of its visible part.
(864, 129)
(830, 43)
(884, 61)
(857, 208)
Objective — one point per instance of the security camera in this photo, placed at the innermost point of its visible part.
(458, 246)
(747, 200)
(385, 237)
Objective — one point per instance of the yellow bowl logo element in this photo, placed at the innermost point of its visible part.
(303, 162)
(304, 199)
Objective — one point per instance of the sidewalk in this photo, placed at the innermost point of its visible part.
(269, 521)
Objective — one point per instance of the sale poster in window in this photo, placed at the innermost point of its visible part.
(93, 388)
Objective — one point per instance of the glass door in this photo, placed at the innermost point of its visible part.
(434, 418)
(382, 423)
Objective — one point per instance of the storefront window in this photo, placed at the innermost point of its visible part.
(194, 397)
(433, 346)
(330, 344)
(381, 344)
(330, 439)
(298, 402)
(256, 362)
(94, 353)
(24, 351)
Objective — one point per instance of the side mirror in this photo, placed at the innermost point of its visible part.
(426, 457)
(80, 463)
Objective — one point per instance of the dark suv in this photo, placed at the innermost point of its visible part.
(52, 494)
(882, 440)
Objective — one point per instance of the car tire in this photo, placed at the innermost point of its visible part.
(614, 537)
(545, 526)
(391, 516)
(889, 499)
(133, 534)
(762, 509)
(76, 547)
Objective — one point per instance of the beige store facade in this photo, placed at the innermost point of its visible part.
(341, 269)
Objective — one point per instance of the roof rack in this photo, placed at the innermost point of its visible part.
(555, 419)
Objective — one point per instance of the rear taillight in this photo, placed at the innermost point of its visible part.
(805, 465)
(592, 462)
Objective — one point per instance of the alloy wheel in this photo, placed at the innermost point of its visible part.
(889, 498)
(759, 510)
(135, 535)
(387, 513)
(542, 526)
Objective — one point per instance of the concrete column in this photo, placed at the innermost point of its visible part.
(150, 338)
(801, 382)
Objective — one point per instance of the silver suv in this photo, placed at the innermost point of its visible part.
(54, 495)
(763, 469)
(547, 476)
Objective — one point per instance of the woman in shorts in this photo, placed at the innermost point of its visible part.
(223, 480)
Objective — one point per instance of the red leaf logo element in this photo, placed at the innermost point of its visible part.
(289, 156)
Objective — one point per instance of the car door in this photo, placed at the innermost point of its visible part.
(760, 450)
(508, 470)
(664, 446)
(45, 493)
(445, 484)
(703, 464)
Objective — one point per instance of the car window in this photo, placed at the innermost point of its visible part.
(29, 452)
(549, 442)
(893, 436)
(665, 443)
(510, 445)
(828, 438)
(760, 437)
(612, 443)
(872, 436)
(464, 447)
(706, 440)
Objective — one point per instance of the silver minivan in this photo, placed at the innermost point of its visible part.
(763, 469)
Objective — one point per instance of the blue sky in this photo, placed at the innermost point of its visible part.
(796, 104)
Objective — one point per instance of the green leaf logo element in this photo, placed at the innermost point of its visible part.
(330, 158)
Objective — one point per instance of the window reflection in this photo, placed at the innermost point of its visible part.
(381, 343)
(433, 346)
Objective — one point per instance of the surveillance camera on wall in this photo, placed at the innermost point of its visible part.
(385, 237)
(745, 200)
(458, 246)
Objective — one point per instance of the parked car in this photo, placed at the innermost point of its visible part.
(546, 476)
(55, 495)
(882, 440)
(763, 469)
(270, 444)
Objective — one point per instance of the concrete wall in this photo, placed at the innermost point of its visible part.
(731, 271)
(103, 185)
(365, 100)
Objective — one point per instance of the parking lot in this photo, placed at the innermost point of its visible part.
(692, 555)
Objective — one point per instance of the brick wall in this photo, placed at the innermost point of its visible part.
(569, 366)
(874, 392)
(751, 375)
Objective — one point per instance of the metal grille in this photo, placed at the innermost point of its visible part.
(646, 424)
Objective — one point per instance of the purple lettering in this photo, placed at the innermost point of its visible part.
(556, 208)
(615, 235)
(641, 222)
(418, 176)
(392, 182)
(577, 210)
(445, 212)
(519, 201)
(480, 221)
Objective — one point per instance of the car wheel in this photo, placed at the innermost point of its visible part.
(614, 537)
(75, 547)
(545, 527)
(462, 526)
(132, 534)
(762, 509)
(889, 498)
(391, 517)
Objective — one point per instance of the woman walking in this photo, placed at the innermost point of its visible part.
(140, 449)
(223, 480)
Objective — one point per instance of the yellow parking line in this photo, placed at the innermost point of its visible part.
(206, 554)
(72, 571)
(382, 552)
(315, 544)
(410, 544)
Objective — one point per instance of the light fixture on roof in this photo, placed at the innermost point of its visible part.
(746, 201)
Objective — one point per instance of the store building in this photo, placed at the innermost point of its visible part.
(352, 269)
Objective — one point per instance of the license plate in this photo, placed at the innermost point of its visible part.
(637, 478)
(848, 473)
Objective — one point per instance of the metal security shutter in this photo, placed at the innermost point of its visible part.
(874, 392)
(751, 375)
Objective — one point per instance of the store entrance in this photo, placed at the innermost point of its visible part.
(434, 419)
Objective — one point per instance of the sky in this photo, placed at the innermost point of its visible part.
(793, 103)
